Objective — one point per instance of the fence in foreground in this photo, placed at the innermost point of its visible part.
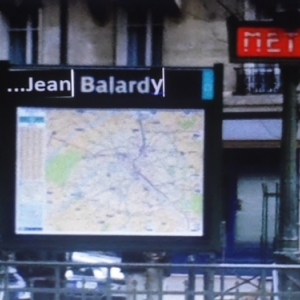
(150, 281)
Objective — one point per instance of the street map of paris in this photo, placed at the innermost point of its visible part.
(110, 171)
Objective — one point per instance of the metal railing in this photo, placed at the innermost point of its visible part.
(257, 80)
(150, 281)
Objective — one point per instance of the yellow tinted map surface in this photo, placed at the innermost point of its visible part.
(137, 172)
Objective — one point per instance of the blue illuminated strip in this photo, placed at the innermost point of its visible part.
(31, 119)
(208, 82)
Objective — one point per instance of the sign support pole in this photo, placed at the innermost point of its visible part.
(287, 240)
(288, 212)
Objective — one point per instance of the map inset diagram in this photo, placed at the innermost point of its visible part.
(110, 171)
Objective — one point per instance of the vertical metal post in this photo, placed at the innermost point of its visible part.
(191, 279)
(264, 226)
(154, 276)
(287, 242)
(154, 283)
(288, 212)
(6, 283)
(108, 285)
(57, 283)
(276, 226)
(208, 281)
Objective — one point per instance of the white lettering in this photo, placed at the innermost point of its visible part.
(87, 84)
(291, 41)
(247, 37)
(65, 84)
(40, 86)
(143, 86)
(157, 85)
(30, 84)
(121, 87)
(271, 40)
(111, 84)
(132, 84)
(102, 86)
(52, 86)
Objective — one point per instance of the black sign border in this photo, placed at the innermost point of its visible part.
(212, 184)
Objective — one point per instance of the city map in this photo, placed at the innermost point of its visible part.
(110, 171)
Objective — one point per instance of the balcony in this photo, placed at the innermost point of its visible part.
(254, 80)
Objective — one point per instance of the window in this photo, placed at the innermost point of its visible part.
(23, 34)
(139, 37)
(258, 79)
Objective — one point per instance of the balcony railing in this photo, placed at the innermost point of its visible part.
(257, 80)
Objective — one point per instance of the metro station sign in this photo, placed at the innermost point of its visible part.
(262, 42)
(102, 83)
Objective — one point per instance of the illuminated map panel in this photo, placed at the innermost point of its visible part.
(109, 171)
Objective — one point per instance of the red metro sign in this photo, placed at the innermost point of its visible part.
(267, 42)
(262, 42)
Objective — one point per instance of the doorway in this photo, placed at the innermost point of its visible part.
(245, 170)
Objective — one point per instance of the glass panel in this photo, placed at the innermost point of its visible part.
(34, 46)
(157, 39)
(136, 38)
(17, 49)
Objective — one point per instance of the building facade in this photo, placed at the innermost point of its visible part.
(173, 33)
